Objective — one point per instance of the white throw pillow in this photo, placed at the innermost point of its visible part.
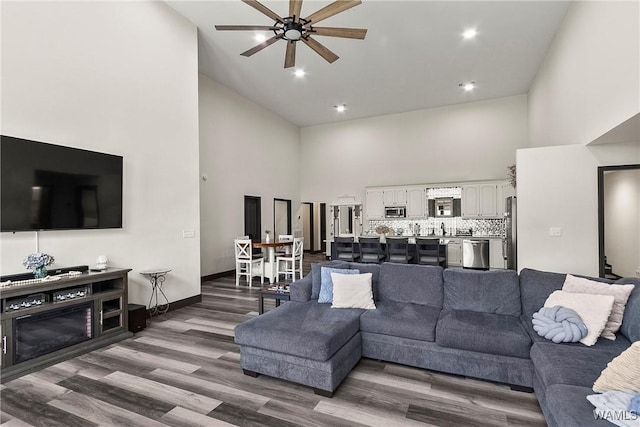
(622, 373)
(352, 291)
(594, 310)
(620, 294)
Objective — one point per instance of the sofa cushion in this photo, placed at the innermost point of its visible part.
(311, 330)
(403, 320)
(500, 334)
(535, 288)
(416, 284)
(495, 291)
(316, 274)
(326, 282)
(620, 294)
(569, 407)
(570, 363)
(631, 320)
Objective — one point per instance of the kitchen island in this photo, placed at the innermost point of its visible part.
(451, 249)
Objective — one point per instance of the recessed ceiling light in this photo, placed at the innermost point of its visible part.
(260, 38)
(468, 86)
(470, 33)
(299, 73)
(341, 108)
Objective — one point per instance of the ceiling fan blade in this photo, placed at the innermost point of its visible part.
(261, 46)
(295, 6)
(263, 9)
(332, 9)
(320, 49)
(290, 56)
(349, 33)
(245, 28)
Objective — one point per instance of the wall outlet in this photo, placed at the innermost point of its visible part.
(638, 272)
(555, 231)
(188, 233)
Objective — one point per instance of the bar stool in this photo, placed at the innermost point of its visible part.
(398, 250)
(344, 249)
(431, 252)
(371, 250)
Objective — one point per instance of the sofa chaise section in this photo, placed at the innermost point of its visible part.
(307, 343)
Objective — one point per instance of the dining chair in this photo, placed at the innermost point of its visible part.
(371, 250)
(282, 250)
(345, 250)
(247, 263)
(431, 252)
(292, 262)
(398, 250)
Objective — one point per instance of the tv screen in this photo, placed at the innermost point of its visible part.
(50, 187)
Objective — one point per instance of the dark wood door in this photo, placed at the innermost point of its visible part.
(252, 219)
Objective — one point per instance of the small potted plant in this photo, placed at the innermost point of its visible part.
(38, 263)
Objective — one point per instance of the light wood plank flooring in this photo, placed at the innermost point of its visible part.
(183, 370)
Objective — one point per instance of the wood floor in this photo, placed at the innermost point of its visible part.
(183, 370)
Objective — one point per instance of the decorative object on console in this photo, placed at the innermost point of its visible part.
(102, 262)
(267, 236)
(352, 291)
(620, 293)
(594, 310)
(559, 324)
(622, 373)
(38, 262)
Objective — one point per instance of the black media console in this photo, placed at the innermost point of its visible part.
(43, 322)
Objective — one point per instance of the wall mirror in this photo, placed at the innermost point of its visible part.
(347, 220)
(618, 224)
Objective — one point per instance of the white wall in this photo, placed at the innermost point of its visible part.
(245, 150)
(464, 142)
(119, 78)
(622, 221)
(588, 82)
(557, 187)
(586, 86)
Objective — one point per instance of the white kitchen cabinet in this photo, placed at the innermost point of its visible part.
(479, 201)
(416, 202)
(496, 257)
(454, 253)
(395, 197)
(504, 190)
(374, 204)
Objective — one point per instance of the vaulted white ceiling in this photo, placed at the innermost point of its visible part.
(413, 57)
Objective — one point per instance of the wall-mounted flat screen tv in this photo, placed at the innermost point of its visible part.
(50, 187)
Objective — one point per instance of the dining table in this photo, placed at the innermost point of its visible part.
(270, 269)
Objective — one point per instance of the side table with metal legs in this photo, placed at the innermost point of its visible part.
(156, 278)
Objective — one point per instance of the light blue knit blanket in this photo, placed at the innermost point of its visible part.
(559, 324)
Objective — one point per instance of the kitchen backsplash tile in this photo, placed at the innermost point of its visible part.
(480, 227)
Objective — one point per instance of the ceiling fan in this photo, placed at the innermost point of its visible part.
(293, 28)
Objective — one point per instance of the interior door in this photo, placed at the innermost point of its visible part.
(252, 219)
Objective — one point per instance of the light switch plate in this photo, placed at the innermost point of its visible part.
(188, 233)
(555, 231)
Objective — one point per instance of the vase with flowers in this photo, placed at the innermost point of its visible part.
(38, 263)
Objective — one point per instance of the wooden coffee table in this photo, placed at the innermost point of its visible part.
(273, 292)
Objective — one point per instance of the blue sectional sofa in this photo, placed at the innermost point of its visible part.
(465, 322)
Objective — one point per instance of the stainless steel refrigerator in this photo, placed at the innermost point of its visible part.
(509, 243)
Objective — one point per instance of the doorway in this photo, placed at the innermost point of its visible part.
(308, 226)
(618, 226)
(252, 219)
(323, 227)
(281, 217)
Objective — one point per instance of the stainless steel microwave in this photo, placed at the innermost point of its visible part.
(395, 212)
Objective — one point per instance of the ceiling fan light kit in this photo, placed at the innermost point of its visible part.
(293, 28)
